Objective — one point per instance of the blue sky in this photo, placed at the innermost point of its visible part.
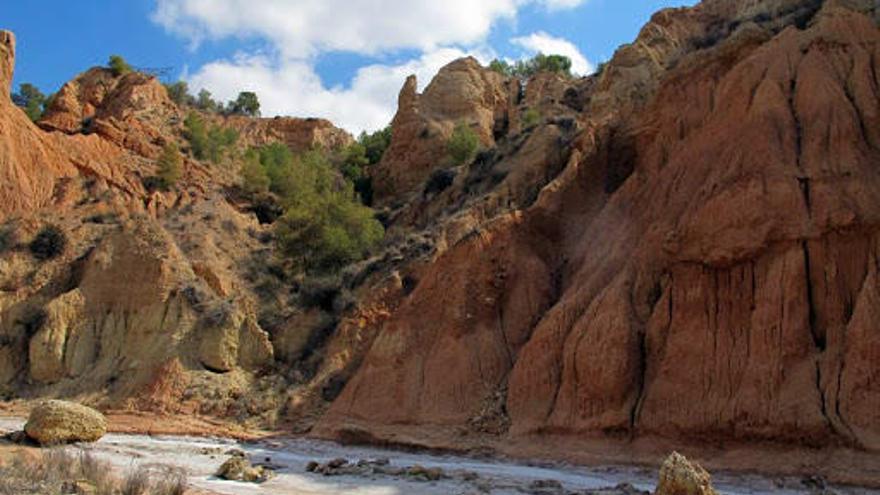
(345, 62)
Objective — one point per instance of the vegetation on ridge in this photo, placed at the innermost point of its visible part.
(31, 100)
(558, 64)
(170, 166)
(206, 142)
(323, 226)
(247, 103)
(118, 65)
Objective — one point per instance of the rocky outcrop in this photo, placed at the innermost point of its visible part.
(462, 92)
(7, 62)
(701, 268)
(131, 111)
(84, 327)
(30, 163)
(678, 476)
(298, 134)
(57, 422)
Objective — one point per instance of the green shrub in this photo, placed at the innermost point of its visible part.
(501, 67)
(179, 93)
(354, 168)
(118, 65)
(324, 227)
(196, 133)
(208, 143)
(170, 166)
(220, 140)
(247, 103)
(375, 144)
(539, 63)
(463, 144)
(254, 179)
(49, 243)
(206, 102)
(276, 159)
(31, 100)
(531, 118)
(328, 233)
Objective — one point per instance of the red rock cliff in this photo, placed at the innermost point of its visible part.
(705, 266)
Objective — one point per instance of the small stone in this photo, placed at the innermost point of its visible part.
(426, 474)
(337, 463)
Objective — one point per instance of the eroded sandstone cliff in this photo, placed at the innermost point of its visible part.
(151, 304)
(703, 267)
(683, 246)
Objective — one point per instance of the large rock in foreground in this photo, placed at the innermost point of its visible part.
(678, 476)
(57, 422)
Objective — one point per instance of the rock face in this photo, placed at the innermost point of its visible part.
(22, 147)
(7, 62)
(678, 476)
(683, 247)
(463, 92)
(298, 134)
(703, 265)
(56, 422)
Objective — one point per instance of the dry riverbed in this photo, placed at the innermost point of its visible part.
(201, 457)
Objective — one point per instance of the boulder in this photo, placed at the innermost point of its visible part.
(238, 468)
(679, 476)
(56, 422)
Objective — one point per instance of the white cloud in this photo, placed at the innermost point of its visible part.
(562, 4)
(542, 42)
(301, 28)
(298, 31)
(292, 87)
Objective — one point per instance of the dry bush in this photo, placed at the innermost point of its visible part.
(55, 470)
(136, 482)
(154, 480)
(170, 481)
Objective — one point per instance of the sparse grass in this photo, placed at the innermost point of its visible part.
(60, 470)
(136, 481)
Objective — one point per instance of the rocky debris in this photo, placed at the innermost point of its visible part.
(679, 476)
(545, 487)
(372, 467)
(239, 468)
(55, 422)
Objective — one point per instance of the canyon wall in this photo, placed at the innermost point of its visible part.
(703, 267)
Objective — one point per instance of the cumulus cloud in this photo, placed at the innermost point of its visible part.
(542, 42)
(292, 87)
(299, 31)
(301, 28)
